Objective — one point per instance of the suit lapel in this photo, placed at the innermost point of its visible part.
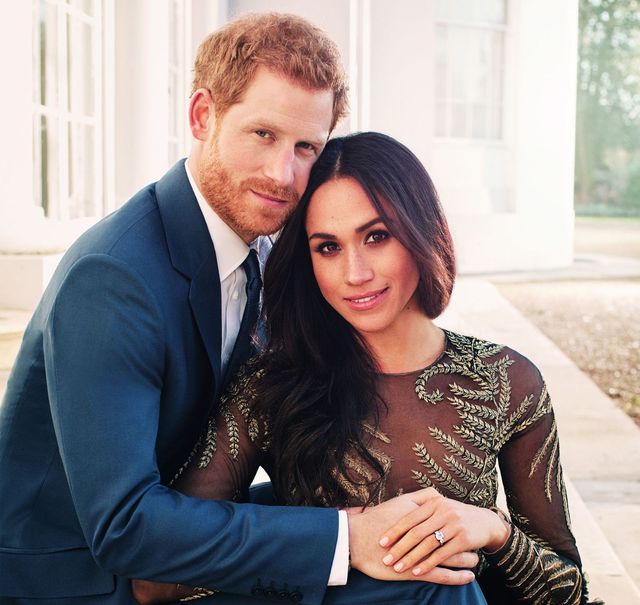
(192, 254)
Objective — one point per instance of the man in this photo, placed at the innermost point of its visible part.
(134, 338)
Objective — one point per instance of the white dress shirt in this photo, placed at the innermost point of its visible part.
(231, 251)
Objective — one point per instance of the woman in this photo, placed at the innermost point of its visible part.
(360, 396)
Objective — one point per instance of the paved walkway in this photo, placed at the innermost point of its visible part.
(600, 444)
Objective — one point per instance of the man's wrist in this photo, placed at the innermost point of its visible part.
(342, 557)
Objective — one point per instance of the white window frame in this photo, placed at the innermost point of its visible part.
(178, 77)
(63, 117)
(498, 78)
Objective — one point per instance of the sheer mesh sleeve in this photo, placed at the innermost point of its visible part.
(220, 467)
(540, 561)
(226, 458)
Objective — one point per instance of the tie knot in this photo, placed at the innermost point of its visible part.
(251, 266)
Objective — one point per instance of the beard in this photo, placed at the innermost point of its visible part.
(233, 201)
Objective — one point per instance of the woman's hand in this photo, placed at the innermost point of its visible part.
(365, 524)
(440, 528)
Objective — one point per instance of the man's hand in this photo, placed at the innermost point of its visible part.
(367, 525)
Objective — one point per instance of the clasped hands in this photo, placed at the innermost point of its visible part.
(397, 540)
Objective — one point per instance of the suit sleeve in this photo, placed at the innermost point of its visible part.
(105, 363)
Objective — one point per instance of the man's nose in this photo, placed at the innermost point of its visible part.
(280, 167)
(358, 270)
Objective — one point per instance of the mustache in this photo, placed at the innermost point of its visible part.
(269, 188)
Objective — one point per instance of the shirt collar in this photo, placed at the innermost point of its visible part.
(231, 249)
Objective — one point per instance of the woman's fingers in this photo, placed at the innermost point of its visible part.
(411, 520)
(418, 543)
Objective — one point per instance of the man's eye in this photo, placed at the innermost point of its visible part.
(307, 146)
(263, 133)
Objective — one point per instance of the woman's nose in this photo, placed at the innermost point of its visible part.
(358, 271)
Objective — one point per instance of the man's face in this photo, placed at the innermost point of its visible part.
(255, 165)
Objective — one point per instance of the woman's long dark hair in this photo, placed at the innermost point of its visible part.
(319, 383)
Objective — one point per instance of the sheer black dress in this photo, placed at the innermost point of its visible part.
(448, 426)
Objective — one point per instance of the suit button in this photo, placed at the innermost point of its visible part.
(296, 596)
(271, 592)
(257, 590)
(284, 595)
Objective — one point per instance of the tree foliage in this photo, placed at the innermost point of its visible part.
(608, 110)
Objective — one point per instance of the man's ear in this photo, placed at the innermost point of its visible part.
(201, 114)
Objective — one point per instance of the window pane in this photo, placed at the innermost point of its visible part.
(479, 121)
(86, 6)
(88, 74)
(441, 120)
(46, 171)
(472, 11)
(81, 171)
(90, 205)
(37, 159)
(48, 54)
(469, 73)
(174, 38)
(173, 105)
(459, 120)
(72, 62)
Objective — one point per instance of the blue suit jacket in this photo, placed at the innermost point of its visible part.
(117, 373)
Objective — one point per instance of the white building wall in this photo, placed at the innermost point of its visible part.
(509, 202)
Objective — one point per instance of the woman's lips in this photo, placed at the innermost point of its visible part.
(367, 300)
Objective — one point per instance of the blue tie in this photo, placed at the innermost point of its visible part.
(242, 348)
(251, 268)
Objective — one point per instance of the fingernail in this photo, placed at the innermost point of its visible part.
(388, 559)
(399, 566)
(384, 541)
(416, 571)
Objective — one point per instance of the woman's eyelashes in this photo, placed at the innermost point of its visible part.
(373, 238)
(327, 248)
(378, 236)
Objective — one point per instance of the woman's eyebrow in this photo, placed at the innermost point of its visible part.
(359, 229)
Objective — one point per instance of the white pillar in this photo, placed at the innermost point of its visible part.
(16, 106)
(141, 98)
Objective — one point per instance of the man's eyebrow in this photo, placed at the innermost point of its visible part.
(316, 141)
(359, 229)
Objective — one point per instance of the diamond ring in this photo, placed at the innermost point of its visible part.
(439, 534)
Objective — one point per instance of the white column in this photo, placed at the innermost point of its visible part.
(141, 97)
(16, 103)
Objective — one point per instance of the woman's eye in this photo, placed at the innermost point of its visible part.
(327, 248)
(375, 237)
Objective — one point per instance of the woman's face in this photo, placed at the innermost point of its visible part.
(363, 272)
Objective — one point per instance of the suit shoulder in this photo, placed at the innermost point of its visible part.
(137, 219)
